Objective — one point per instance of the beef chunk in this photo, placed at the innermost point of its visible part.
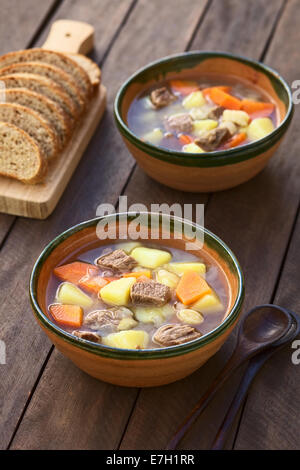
(212, 139)
(172, 335)
(118, 260)
(161, 97)
(107, 318)
(216, 112)
(150, 293)
(180, 123)
(89, 335)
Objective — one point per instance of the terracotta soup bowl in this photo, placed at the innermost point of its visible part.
(147, 367)
(217, 170)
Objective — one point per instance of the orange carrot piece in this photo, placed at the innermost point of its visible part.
(93, 284)
(236, 140)
(138, 274)
(73, 272)
(222, 98)
(206, 91)
(257, 107)
(185, 139)
(191, 288)
(70, 315)
(184, 87)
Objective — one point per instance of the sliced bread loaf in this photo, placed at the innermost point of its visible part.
(48, 109)
(89, 66)
(44, 86)
(52, 72)
(57, 59)
(20, 156)
(32, 123)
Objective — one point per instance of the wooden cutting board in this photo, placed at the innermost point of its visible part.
(38, 201)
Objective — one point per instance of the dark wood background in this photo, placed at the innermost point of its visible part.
(45, 401)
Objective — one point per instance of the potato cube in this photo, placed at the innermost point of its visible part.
(208, 304)
(259, 128)
(167, 278)
(201, 113)
(155, 315)
(127, 246)
(194, 100)
(192, 148)
(154, 137)
(127, 324)
(150, 257)
(204, 125)
(132, 339)
(181, 268)
(117, 292)
(189, 316)
(68, 293)
(241, 118)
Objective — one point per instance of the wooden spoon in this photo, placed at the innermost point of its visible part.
(261, 327)
(253, 367)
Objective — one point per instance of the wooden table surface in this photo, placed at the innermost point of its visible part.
(45, 401)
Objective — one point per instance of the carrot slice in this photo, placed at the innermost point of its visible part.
(206, 91)
(138, 274)
(259, 108)
(191, 287)
(236, 140)
(185, 139)
(70, 315)
(73, 272)
(184, 87)
(222, 98)
(93, 284)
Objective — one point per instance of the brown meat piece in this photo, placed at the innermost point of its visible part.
(161, 97)
(150, 293)
(106, 318)
(180, 123)
(172, 335)
(216, 112)
(118, 260)
(212, 139)
(89, 335)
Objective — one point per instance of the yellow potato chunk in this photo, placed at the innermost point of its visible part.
(194, 100)
(167, 278)
(241, 118)
(204, 125)
(68, 293)
(127, 246)
(189, 316)
(155, 315)
(207, 304)
(132, 339)
(117, 292)
(127, 324)
(259, 128)
(150, 257)
(181, 268)
(192, 148)
(154, 137)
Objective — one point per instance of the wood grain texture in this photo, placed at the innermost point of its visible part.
(111, 165)
(239, 217)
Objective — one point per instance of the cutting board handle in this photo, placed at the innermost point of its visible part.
(70, 36)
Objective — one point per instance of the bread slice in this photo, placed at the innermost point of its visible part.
(20, 156)
(48, 109)
(89, 66)
(57, 59)
(52, 72)
(32, 123)
(45, 87)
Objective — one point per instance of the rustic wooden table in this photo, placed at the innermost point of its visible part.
(45, 401)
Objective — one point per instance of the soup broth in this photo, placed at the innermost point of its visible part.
(137, 296)
(207, 115)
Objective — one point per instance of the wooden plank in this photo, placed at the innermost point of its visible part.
(100, 177)
(27, 356)
(240, 219)
(38, 201)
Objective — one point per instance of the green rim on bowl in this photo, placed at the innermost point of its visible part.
(125, 354)
(178, 62)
